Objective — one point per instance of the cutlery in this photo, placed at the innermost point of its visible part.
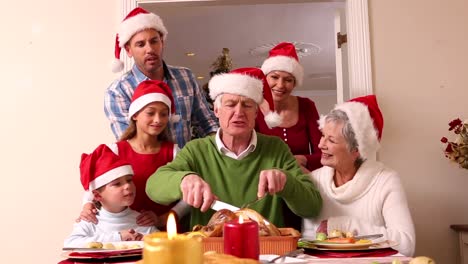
(292, 254)
(218, 205)
(248, 204)
(373, 236)
(84, 249)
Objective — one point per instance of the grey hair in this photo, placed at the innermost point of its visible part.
(339, 116)
(218, 100)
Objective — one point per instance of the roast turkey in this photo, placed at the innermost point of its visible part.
(215, 226)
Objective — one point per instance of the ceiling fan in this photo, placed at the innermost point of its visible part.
(302, 48)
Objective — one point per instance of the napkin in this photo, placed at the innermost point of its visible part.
(351, 254)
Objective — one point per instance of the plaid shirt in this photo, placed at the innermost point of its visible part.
(189, 101)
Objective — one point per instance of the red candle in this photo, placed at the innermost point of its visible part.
(241, 239)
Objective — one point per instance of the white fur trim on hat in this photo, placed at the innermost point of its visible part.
(142, 101)
(137, 23)
(236, 83)
(109, 176)
(363, 126)
(286, 64)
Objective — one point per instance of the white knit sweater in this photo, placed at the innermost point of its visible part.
(372, 202)
(107, 229)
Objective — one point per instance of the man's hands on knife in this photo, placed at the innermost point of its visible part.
(197, 193)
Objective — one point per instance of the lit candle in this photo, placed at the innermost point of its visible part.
(170, 248)
(241, 239)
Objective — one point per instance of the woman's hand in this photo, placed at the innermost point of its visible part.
(147, 218)
(88, 213)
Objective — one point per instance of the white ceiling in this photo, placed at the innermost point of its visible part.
(206, 28)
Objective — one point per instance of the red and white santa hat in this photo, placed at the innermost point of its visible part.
(137, 20)
(248, 82)
(101, 167)
(367, 122)
(152, 91)
(283, 57)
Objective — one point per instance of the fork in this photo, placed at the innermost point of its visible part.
(248, 204)
(293, 253)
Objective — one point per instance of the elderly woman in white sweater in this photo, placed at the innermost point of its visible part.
(360, 195)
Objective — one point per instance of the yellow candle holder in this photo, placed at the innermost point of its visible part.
(158, 248)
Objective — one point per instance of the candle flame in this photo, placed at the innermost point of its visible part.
(241, 219)
(171, 226)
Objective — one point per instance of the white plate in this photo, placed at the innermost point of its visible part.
(266, 258)
(338, 247)
(119, 246)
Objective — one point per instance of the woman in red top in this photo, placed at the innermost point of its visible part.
(299, 127)
(146, 146)
(299, 116)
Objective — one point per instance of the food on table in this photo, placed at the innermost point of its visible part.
(422, 260)
(94, 245)
(363, 241)
(321, 236)
(341, 240)
(211, 257)
(336, 233)
(215, 226)
(116, 245)
(108, 246)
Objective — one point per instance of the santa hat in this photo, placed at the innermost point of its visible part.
(101, 167)
(283, 57)
(367, 122)
(137, 20)
(152, 91)
(248, 82)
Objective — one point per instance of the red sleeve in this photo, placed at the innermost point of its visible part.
(309, 112)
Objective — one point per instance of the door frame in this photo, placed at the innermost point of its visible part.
(357, 27)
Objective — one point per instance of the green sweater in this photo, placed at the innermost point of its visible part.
(236, 181)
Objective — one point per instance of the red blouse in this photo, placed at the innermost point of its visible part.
(303, 137)
(144, 165)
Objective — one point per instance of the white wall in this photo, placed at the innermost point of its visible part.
(54, 68)
(420, 66)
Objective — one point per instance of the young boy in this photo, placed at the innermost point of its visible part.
(109, 178)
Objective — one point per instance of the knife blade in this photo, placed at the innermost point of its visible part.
(84, 249)
(218, 205)
(374, 236)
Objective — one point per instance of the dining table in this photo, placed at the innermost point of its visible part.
(303, 258)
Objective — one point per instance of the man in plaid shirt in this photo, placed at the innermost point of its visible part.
(142, 35)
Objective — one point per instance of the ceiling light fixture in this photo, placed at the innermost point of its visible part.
(302, 48)
(200, 77)
(189, 54)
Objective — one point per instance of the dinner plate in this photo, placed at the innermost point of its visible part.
(350, 246)
(266, 258)
(124, 249)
